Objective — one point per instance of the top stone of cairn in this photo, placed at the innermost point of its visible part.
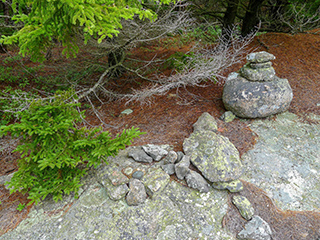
(260, 57)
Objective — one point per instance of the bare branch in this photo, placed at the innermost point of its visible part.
(206, 65)
(298, 19)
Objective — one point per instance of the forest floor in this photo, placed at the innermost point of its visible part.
(168, 119)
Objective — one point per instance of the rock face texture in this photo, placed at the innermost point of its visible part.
(257, 92)
(285, 161)
(129, 199)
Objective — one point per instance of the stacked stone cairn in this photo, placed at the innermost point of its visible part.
(144, 172)
(256, 91)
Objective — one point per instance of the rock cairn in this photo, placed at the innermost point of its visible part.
(146, 172)
(256, 91)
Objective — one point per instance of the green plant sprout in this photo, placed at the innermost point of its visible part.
(21, 207)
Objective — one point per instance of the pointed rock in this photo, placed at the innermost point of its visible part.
(182, 167)
(155, 151)
(139, 155)
(205, 122)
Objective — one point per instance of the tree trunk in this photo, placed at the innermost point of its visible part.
(251, 19)
(114, 58)
(229, 19)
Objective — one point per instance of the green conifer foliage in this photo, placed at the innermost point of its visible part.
(55, 153)
(64, 19)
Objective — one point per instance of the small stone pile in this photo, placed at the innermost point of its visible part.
(256, 91)
(147, 170)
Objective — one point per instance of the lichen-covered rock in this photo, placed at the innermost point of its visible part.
(196, 181)
(205, 122)
(228, 116)
(137, 193)
(256, 99)
(155, 181)
(179, 212)
(258, 74)
(155, 151)
(182, 167)
(232, 186)
(139, 155)
(244, 206)
(213, 155)
(260, 57)
(256, 229)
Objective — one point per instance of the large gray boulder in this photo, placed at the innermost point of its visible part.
(256, 92)
(213, 155)
(256, 99)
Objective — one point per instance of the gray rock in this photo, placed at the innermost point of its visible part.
(170, 158)
(259, 74)
(196, 181)
(155, 151)
(285, 161)
(180, 156)
(169, 168)
(244, 206)
(116, 176)
(257, 99)
(139, 155)
(214, 156)
(137, 193)
(179, 212)
(228, 116)
(205, 122)
(137, 175)
(256, 229)
(261, 65)
(232, 186)
(111, 174)
(155, 181)
(117, 192)
(182, 167)
(260, 57)
(232, 75)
